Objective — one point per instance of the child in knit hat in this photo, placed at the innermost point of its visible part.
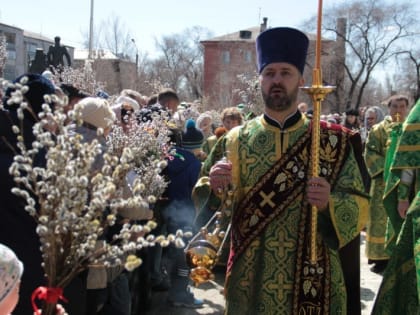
(192, 139)
(11, 269)
(182, 172)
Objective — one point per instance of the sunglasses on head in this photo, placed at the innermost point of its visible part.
(126, 114)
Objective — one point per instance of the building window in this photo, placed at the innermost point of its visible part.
(9, 72)
(226, 57)
(11, 55)
(248, 56)
(10, 38)
(31, 50)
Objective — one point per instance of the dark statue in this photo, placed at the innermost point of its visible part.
(39, 64)
(56, 54)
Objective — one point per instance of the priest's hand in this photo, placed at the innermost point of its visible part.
(220, 176)
(318, 192)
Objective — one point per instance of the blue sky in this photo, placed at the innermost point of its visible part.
(147, 20)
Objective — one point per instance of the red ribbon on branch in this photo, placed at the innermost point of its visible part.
(49, 295)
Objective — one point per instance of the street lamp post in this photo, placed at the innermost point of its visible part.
(137, 54)
(90, 30)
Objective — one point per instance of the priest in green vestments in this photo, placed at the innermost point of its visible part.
(399, 292)
(377, 144)
(266, 164)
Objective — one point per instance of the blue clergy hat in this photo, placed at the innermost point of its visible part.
(282, 44)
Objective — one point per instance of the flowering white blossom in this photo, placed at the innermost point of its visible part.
(75, 203)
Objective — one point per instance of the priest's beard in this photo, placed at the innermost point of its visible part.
(280, 101)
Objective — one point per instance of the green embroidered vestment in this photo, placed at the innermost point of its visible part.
(262, 278)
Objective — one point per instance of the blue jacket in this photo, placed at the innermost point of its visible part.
(182, 172)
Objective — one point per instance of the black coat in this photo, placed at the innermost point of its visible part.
(18, 228)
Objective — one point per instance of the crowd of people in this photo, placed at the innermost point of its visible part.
(366, 155)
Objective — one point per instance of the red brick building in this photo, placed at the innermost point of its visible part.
(227, 56)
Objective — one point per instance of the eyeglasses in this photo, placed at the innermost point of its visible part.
(126, 114)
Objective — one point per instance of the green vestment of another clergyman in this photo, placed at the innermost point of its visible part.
(375, 154)
(399, 292)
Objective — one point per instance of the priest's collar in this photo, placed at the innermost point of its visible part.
(288, 122)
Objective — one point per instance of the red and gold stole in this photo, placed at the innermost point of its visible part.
(274, 193)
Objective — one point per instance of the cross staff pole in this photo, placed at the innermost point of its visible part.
(317, 92)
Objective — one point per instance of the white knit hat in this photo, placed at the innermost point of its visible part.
(96, 111)
(11, 269)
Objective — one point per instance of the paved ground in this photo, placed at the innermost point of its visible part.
(369, 281)
(211, 293)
